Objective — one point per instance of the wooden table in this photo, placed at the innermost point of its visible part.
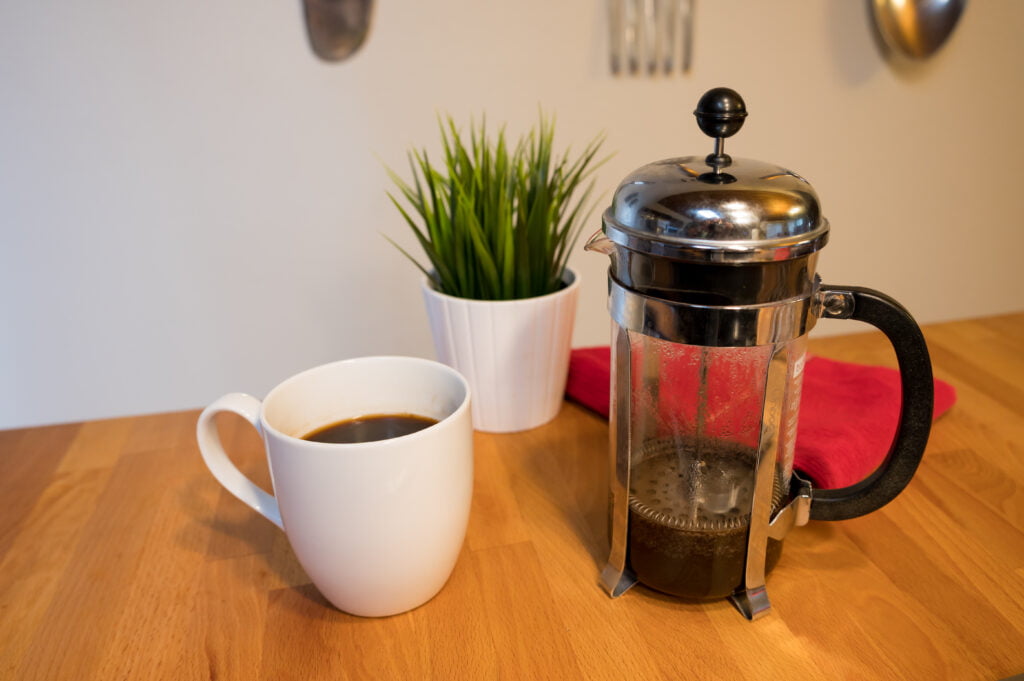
(122, 558)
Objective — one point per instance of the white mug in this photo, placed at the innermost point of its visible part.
(376, 525)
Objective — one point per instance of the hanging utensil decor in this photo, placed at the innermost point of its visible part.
(337, 28)
(916, 28)
(650, 36)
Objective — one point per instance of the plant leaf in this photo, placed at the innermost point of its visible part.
(497, 220)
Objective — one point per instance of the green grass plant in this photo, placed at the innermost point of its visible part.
(496, 221)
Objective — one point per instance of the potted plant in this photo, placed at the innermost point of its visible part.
(497, 223)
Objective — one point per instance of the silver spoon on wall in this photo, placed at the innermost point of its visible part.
(916, 28)
(337, 28)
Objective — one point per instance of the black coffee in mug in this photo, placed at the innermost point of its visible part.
(370, 428)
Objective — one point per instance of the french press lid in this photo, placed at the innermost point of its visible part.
(716, 208)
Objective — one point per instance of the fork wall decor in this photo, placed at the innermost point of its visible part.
(650, 36)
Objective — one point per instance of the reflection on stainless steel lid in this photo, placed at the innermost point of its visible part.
(716, 208)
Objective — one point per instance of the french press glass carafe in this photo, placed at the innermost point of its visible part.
(712, 290)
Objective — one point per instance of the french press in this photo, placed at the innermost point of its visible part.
(712, 290)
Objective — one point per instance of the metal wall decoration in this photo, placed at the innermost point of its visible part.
(916, 28)
(650, 36)
(337, 28)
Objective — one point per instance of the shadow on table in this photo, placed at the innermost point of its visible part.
(568, 461)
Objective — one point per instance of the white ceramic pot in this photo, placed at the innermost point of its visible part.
(514, 353)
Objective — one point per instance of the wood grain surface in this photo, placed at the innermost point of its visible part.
(122, 558)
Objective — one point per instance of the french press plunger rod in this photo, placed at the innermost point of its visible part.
(713, 290)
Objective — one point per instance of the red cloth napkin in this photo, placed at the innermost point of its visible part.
(848, 412)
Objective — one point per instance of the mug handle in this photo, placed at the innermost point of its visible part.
(227, 474)
(918, 394)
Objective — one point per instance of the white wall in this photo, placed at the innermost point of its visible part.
(190, 203)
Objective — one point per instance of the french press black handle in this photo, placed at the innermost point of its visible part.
(918, 396)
